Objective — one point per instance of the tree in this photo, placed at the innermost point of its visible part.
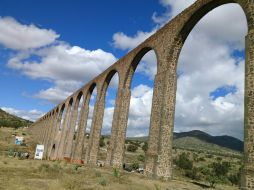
(102, 143)
(221, 168)
(134, 165)
(145, 147)
(184, 162)
(131, 148)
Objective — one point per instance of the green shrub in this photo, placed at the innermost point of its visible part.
(102, 143)
(76, 166)
(184, 162)
(193, 174)
(102, 181)
(145, 147)
(220, 168)
(116, 172)
(44, 167)
(10, 152)
(135, 165)
(235, 179)
(157, 187)
(132, 148)
(211, 178)
(141, 158)
(97, 173)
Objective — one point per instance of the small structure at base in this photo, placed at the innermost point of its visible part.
(39, 152)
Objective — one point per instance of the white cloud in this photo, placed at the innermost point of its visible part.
(63, 62)
(124, 42)
(173, 8)
(31, 115)
(60, 91)
(67, 67)
(40, 56)
(17, 36)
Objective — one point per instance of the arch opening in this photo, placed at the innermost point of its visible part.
(61, 117)
(92, 95)
(141, 82)
(210, 84)
(79, 103)
(109, 93)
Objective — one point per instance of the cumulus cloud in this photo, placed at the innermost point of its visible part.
(63, 62)
(31, 115)
(67, 67)
(173, 8)
(38, 54)
(125, 42)
(60, 91)
(17, 36)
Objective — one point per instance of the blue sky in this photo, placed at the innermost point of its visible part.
(48, 49)
(88, 24)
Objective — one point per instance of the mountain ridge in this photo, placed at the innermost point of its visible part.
(224, 141)
(9, 120)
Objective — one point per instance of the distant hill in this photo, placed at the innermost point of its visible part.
(8, 120)
(223, 141)
(201, 140)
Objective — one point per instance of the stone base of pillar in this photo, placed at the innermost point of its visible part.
(67, 159)
(79, 161)
(149, 165)
(247, 180)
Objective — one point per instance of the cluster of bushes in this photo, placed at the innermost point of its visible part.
(14, 123)
(216, 172)
(102, 143)
(132, 148)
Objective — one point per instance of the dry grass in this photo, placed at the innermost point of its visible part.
(30, 174)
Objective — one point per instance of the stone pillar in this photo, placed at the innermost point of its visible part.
(112, 141)
(52, 135)
(70, 134)
(79, 142)
(40, 132)
(248, 171)
(56, 139)
(165, 157)
(121, 119)
(64, 132)
(93, 145)
(154, 131)
(48, 132)
(44, 126)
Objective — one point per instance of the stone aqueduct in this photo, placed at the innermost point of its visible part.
(167, 43)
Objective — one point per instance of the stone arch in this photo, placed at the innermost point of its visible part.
(69, 112)
(73, 123)
(192, 19)
(61, 116)
(89, 94)
(77, 104)
(107, 80)
(118, 149)
(134, 63)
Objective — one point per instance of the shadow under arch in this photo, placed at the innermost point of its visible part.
(88, 126)
(61, 117)
(77, 104)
